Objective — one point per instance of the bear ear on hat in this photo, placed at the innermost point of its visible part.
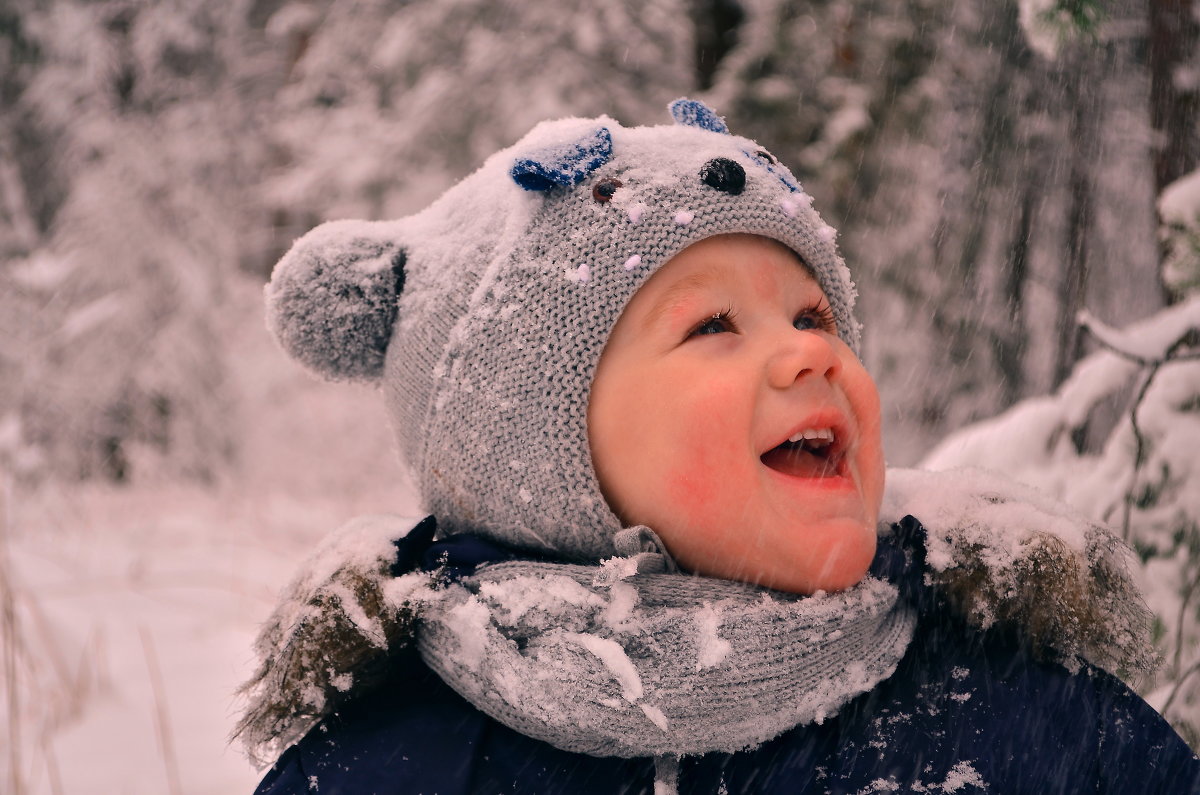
(693, 113)
(564, 164)
(332, 299)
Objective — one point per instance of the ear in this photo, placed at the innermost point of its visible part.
(691, 113)
(564, 165)
(332, 300)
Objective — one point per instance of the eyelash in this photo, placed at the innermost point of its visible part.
(726, 316)
(821, 314)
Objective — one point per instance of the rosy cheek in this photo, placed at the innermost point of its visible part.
(707, 445)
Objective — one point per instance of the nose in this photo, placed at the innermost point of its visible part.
(800, 354)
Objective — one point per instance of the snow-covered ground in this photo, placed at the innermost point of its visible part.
(133, 609)
(135, 615)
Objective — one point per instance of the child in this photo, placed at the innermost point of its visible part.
(623, 366)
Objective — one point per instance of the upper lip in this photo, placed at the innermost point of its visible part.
(830, 418)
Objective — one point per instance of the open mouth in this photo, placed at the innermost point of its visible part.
(809, 453)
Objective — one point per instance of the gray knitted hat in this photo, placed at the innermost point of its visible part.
(484, 316)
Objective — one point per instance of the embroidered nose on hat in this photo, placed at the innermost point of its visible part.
(724, 174)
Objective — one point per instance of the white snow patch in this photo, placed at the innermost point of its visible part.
(469, 621)
(841, 686)
(1179, 202)
(684, 217)
(712, 649)
(655, 715)
(616, 569)
(580, 275)
(1151, 345)
(514, 598)
(622, 598)
(362, 544)
(615, 660)
(962, 775)
(633, 262)
(408, 589)
(965, 503)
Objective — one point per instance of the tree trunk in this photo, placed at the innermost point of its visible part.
(1083, 142)
(1174, 97)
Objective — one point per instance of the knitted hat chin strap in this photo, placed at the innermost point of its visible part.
(641, 548)
(614, 660)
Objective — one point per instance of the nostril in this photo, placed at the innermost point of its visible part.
(724, 174)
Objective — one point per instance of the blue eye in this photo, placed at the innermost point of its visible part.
(720, 323)
(711, 326)
(816, 318)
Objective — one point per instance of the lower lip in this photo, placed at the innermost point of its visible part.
(838, 482)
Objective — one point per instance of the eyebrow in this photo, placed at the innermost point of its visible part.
(677, 294)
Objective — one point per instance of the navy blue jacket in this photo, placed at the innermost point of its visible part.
(965, 712)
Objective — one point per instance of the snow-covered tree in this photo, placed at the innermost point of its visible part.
(123, 222)
(1144, 480)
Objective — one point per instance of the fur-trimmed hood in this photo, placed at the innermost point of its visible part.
(1004, 553)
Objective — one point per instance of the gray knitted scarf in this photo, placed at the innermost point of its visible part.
(630, 659)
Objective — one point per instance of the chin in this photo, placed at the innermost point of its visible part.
(828, 556)
(844, 565)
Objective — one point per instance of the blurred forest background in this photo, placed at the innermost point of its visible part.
(995, 168)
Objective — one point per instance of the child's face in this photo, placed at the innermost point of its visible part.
(725, 354)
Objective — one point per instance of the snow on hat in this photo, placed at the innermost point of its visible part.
(484, 316)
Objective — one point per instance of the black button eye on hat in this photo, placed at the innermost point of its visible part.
(724, 174)
(605, 189)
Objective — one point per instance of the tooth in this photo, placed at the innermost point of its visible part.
(812, 434)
